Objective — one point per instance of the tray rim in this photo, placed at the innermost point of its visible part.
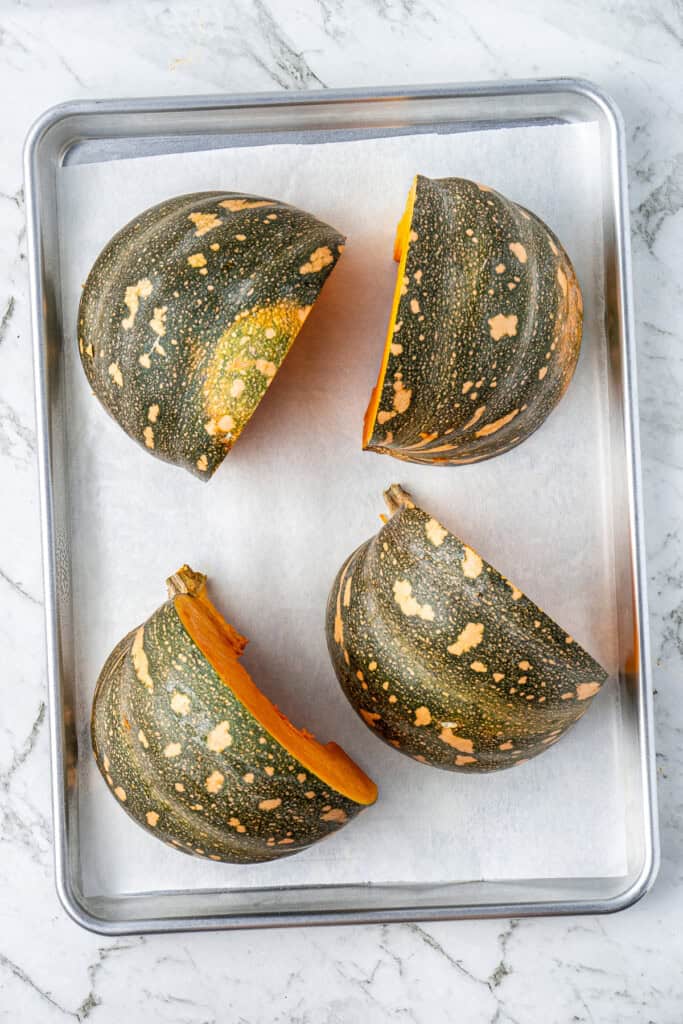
(66, 891)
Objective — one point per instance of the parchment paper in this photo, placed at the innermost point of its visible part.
(297, 495)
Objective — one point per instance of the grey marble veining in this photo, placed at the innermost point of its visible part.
(624, 969)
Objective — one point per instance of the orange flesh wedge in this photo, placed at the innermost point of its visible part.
(221, 645)
(400, 255)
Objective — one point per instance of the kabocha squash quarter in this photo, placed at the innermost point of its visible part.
(189, 311)
(485, 328)
(198, 756)
(443, 657)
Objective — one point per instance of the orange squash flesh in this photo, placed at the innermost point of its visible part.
(400, 255)
(222, 646)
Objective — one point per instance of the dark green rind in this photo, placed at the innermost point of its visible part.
(261, 270)
(123, 705)
(458, 270)
(411, 654)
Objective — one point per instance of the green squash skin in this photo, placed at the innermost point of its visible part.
(133, 724)
(397, 672)
(453, 393)
(219, 303)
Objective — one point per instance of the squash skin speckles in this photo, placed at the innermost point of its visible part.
(447, 689)
(506, 313)
(184, 291)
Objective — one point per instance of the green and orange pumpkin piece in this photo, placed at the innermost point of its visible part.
(189, 311)
(485, 328)
(446, 659)
(198, 756)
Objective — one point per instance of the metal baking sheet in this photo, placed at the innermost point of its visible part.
(96, 132)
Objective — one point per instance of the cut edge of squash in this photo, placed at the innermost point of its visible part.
(401, 246)
(222, 646)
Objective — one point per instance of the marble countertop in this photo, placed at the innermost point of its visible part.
(625, 968)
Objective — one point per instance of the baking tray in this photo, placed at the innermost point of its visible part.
(82, 132)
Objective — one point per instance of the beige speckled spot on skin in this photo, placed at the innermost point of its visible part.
(523, 680)
(498, 676)
(267, 368)
(567, 696)
(110, 781)
(225, 424)
(105, 763)
(518, 250)
(301, 777)
(542, 372)
(270, 805)
(462, 759)
(318, 259)
(89, 350)
(392, 698)
(142, 739)
(448, 736)
(115, 374)
(335, 814)
(158, 321)
(120, 793)
(237, 387)
(524, 665)
(235, 205)
(506, 746)
(502, 326)
(402, 397)
(562, 279)
(383, 417)
(403, 596)
(346, 600)
(395, 349)
(180, 703)
(479, 666)
(178, 786)
(370, 717)
(586, 690)
(398, 326)
(172, 750)
(197, 259)
(500, 268)
(148, 434)
(145, 361)
(140, 661)
(219, 738)
(476, 417)
(436, 534)
(249, 777)
(210, 427)
(414, 306)
(202, 463)
(214, 782)
(491, 428)
(153, 413)
(204, 222)
(132, 296)
(423, 716)
(484, 188)
(569, 639)
(467, 385)
(468, 638)
(269, 770)
(152, 818)
(472, 564)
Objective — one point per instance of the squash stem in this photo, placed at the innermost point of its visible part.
(186, 581)
(397, 499)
